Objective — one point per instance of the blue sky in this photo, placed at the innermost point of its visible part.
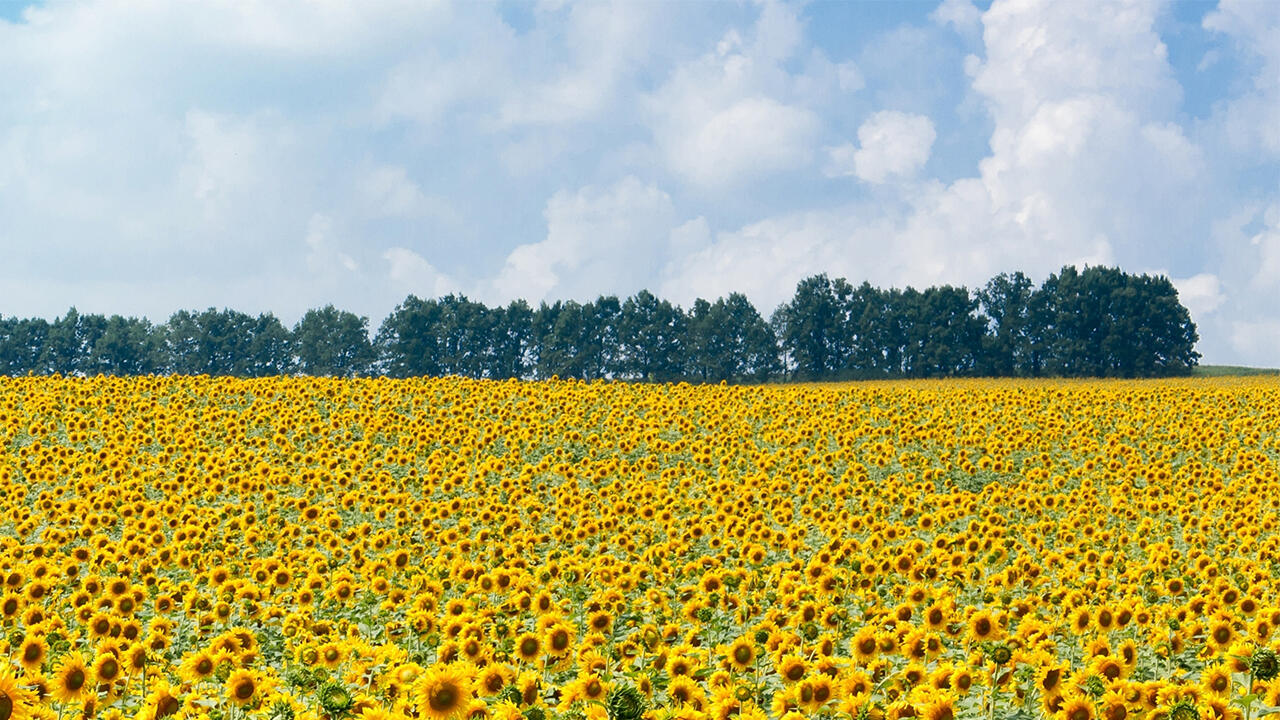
(273, 156)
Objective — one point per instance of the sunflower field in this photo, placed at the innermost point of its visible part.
(451, 549)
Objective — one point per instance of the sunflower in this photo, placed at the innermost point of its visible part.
(135, 660)
(442, 692)
(331, 655)
(528, 647)
(1112, 706)
(197, 666)
(161, 703)
(864, 644)
(818, 692)
(106, 667)
(1049, 679)
(16, 703)
(73, 678)
(983, 627)
(10, 605)
(559, 645)
(1220, 634)
(1076, 708)
(684, 691)
(792, 669)
(242, 686)
(587, 687)
(600, 621)
(940, 708)
(1217, 681)
(742, 653)
(32, 652)
(492, 679)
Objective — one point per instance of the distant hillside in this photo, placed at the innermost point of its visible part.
(1226, 370)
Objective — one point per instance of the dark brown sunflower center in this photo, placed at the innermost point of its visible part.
(559, 640)
(244, 690)
(6, 706)
(168, 705)
(75, 679)
(443, 698)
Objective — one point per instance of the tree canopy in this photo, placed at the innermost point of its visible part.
(1099, 322)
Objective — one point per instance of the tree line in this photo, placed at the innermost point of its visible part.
(1099, 322)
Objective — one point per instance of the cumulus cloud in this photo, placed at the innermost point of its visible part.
(412, 274)
(962, 14)
(1251, 121)
(599, 241)
(890, 144)
(389, 192)
(1201, 293)
(738, 114)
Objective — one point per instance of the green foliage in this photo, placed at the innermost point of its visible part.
(1095, 322)
(626, 703)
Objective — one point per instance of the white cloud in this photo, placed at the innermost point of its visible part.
(890, 144)
(324, 256)
(599, 241)
(737, 114)
(1256, 342)
(410, 273)
(1200, 293)
(1251, 121)
(756, 135)
(962, 14)
(389, 192)
(1266, 277)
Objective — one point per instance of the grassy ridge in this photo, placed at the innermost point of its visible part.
(1225, 370)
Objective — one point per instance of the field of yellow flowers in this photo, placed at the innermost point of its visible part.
(311, 549)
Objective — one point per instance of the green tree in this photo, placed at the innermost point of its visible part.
(651, 338)
(408, 340)
(1104, 322)
(334, 343)
(814, 327)
(464, 336)
(127, 346)
(22, 342)
(69, 343)
(1006, 309)
(729, 340)
(513, 341)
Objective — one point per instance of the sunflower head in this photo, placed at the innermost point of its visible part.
(1184, 710)
(443, 692)
(335, 699)
(1001, 654)
(16, 703)
(626, 703)
(242, 686)
(280, 710)
(1264, 664)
